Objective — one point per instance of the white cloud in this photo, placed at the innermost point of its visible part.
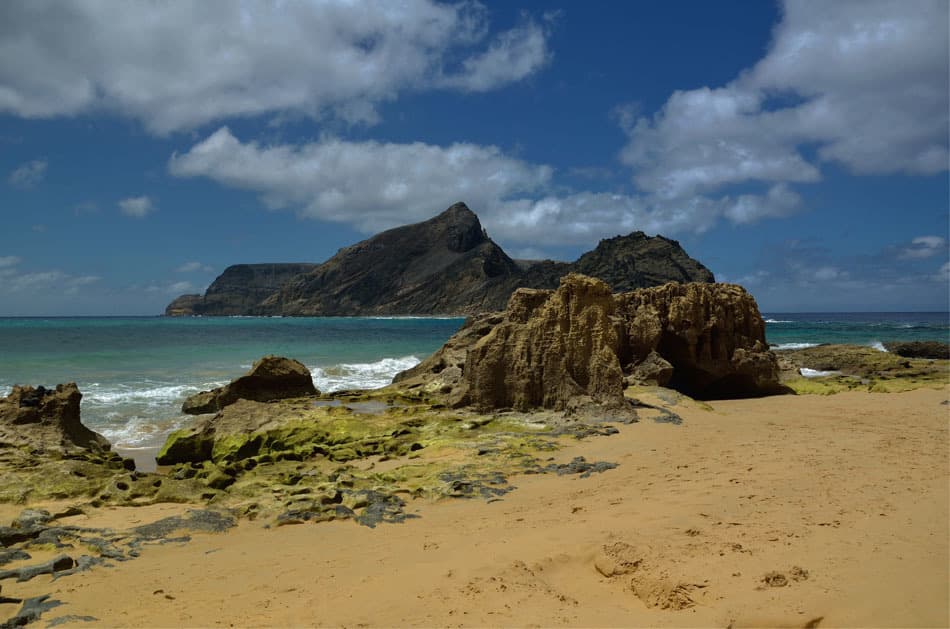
(370, 185)
(191, 267)
(180, 287)
(924, 247)
(137, 207)
(178, 65)
(943, 275)
(12, 280)
(373, 186)
(748, 208)
(171, 288)
(514, 55)
(863, 83)
(29, 174)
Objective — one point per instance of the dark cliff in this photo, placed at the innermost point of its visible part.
(239, 290)
(446, 265)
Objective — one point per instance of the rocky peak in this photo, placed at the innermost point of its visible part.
(445, 265)
(637, 261)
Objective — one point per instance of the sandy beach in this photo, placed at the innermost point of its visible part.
(788, 511)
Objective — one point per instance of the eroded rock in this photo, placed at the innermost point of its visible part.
(712, 334)
(271, 378)
(47, 420)
(577, 347)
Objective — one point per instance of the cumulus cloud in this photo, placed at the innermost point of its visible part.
(924, 247)
(514, 55)
(370, 185)
(13, 280)
(862, 83)
(178, 65)
(373, 186)
(29, 174)
(136, 207)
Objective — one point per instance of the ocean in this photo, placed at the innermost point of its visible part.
(134, 372)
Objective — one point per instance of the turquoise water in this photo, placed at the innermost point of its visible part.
(134, 372)
(797, 329)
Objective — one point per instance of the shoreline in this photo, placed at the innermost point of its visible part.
(842, 496)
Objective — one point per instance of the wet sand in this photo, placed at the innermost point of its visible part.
(787, 511)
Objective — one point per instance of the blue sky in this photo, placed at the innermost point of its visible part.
(797, 148)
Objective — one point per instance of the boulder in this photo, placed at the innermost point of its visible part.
(47, 420)
(580, 344)
(652, 370)
(271, 378)
(712, 334)
(919, 349)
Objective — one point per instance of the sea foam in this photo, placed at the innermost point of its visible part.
(794, 345)
(815, 373)
(360, 375)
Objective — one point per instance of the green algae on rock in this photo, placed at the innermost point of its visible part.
(835, 368)
(270, 378)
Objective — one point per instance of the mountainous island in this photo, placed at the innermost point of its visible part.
(446, 265)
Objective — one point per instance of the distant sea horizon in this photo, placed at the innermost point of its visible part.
(135, 371)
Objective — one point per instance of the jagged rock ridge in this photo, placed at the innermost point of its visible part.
(446, 265)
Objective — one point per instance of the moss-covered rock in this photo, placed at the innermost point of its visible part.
(185, 446)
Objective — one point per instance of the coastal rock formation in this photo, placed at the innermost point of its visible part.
(270, 378)
(239, 290)
(553, 350)
(829, 369)
(446, 265)
(712, 335)
(578, 344)
(47, 420)
(919, 349)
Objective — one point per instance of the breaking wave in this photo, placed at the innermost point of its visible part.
(360, 375)
(794, 345)
(815, 373)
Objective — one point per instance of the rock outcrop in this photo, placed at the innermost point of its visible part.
(446, 265)
(578, 345)
(47, 420)
(270, 378)
(919, 349)
(553, 350)
(712, 334)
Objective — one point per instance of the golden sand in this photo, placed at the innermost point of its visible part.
(787, 511)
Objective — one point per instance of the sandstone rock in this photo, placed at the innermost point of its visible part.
(652, 370)
(712, 334)
(552, 353)
(47, 420)
(564, 349)
(271, 378)
(919, 349)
